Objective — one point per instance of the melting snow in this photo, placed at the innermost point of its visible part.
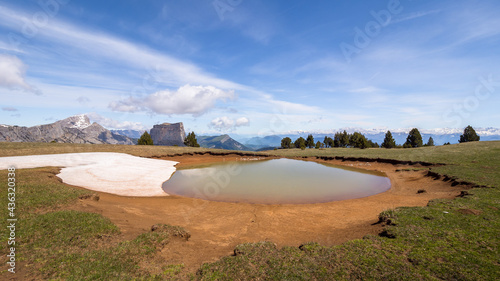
(115, 173)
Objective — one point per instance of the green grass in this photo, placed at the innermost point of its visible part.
(18, 149)
(54, 243)
(428, 245)
(449, 239)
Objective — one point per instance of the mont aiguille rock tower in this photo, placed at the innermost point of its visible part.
(168, 134)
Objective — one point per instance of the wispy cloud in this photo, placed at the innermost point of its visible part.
(13, 74)
(115, 124)
(171, 71)
(9, 48)
(369, 90)
(411, 16)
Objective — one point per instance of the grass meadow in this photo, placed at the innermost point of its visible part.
(455, 239)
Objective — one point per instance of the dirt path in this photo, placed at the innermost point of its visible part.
(217, 227)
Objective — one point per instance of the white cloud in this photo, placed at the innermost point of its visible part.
(222, 123)
(290, 107)
(195, 100)
(12, 74)
(367, 90)
(114, 124)
(242, 121)
(226, 124)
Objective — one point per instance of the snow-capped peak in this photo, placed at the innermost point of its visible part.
(78, 121)
(82, 122)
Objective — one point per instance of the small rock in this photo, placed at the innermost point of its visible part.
(463, 193)
(93, 196)
(387, 234)
(421, 191)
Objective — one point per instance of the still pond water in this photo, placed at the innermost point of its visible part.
(277, 181)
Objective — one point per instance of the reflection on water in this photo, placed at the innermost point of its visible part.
(278, 181)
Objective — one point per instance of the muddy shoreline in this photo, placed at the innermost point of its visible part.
(217, 227)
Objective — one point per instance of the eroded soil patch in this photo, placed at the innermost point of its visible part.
(217, 227)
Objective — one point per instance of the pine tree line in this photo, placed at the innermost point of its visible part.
(343, 139)
(358, 140)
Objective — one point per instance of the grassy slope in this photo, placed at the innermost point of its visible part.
(437, 242)
(450, 239)
(15, 149)
(52, 242)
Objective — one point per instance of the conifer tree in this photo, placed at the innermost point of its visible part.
(328, 142)
(414, 139)
(286, 143)
(341, 139)
(310, 141)
(358, 140)
(430, 142)
(300, 143)
(389, 141)
(469, 135)
(145, 139)
(191, 140)
(318, 144)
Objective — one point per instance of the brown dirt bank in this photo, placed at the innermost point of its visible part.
(217, 227)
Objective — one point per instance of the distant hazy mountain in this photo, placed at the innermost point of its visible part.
(440, 136)
(133, 134)
(222, 142)
(264, 141)
(75, 129)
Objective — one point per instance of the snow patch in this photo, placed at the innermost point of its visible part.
(81, 122)
(115, 173)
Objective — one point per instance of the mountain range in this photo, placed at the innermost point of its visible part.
(440, 136)
(79, 129)
(222, 142)
(75, 129)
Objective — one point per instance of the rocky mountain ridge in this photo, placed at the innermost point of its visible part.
(221, 142)
(75, 129)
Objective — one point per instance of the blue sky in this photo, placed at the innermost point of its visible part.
(251, 67)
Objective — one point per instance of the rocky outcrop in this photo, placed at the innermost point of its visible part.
(168, 134)
(75, 129)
